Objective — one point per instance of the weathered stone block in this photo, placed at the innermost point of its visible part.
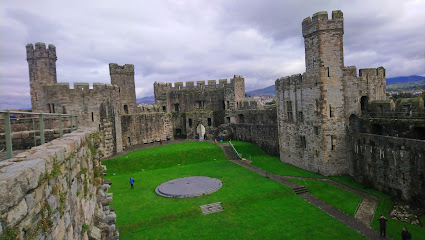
(17, 213)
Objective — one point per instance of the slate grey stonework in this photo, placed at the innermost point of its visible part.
(51, 191)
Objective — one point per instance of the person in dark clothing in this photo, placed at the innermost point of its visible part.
(405, 235)
(382, 225)
(131, 182)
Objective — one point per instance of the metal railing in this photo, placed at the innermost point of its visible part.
(234, 150)
(13, 117)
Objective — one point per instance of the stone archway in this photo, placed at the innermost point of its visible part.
(200, 131)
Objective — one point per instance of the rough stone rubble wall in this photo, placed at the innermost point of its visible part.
(123, 77)
(56, 191)
(390, 164)
(141, 127)
(25, 139)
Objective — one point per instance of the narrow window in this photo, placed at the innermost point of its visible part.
(228, 104)
(164, 108)
(300, 117)
(119, 90)
(63, 109)
(53, 107)
(209, 121)
(176, 107)
(241, 118)
(303, 142)
(128, 141)
(363, 103)
(99, 127)
(316, 131)
(333, 142)
(289, 111)
(328, 72)
(317, 106)
(224, 105)
(125, 109)
(92, 116)
(190, 122)
(50, 108)
(331, 114)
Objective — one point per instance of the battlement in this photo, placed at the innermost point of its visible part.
(79, 86)
(365, 72)
(40, 51)
(320, 22)
(248, 105)
(289, 80)
(124, 69)
(191, 85)
(380, 71)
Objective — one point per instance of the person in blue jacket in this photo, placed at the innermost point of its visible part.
(131, 182)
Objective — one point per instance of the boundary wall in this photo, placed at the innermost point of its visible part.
(56, 191)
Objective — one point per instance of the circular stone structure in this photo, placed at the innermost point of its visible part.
(188, 187)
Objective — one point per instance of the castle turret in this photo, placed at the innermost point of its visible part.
(123, 77)
(42, 72)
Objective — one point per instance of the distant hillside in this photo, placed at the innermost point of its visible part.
(150, 99)
(264, 91)
(393, 84)
(409, 79)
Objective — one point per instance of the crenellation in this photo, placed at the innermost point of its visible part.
(320, 22)
(200, 84)
(124, 69)
(212, 84)
(81, 86)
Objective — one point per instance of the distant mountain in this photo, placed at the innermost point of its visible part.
(395, 83)
(150, 99)
(270, 90)
(408, 79)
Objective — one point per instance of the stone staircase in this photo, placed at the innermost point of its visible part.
(300, 190)
(228, 151)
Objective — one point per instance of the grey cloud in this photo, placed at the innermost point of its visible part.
(194, 40)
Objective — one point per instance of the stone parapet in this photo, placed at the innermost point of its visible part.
(56, 191)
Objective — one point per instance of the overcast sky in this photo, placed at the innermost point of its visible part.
(171, 41)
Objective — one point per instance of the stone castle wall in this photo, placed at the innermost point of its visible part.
(56, 191)
(145, 127)
(97, 107)
(123, 77)
(258, 127)
(191, 97)
(314, 108)
(25, 139)
(390, 164)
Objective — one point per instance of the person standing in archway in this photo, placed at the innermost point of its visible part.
(382, 225)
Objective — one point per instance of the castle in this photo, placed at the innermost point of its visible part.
(325, 119)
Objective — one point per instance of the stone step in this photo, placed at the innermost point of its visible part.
(300, 190)
(211, 208)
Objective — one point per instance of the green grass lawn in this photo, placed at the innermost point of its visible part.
(343, 200)
(385, 206)
(269, 163)
(273, 164)
(254, 207)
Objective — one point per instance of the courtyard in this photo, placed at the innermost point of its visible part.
(255, 207)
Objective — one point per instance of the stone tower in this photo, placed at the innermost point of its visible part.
(324, 60)
(123, 77)
(42, 72)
